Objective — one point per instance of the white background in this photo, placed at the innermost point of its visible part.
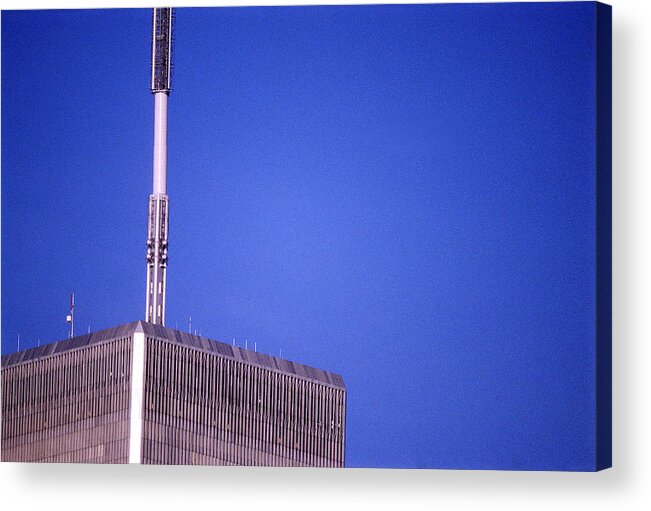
(626, 486)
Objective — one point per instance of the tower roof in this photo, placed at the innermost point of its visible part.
(182, 338)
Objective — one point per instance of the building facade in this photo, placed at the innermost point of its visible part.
(143, 393)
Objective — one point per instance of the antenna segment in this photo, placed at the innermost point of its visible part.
(70, 318)
(161, 74)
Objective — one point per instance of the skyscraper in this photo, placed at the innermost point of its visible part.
(143, 393)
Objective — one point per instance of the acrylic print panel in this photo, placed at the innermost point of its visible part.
(396, 219)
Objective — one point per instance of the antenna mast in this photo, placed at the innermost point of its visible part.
(70, 318)
(161, 74)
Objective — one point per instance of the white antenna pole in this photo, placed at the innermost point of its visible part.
(18, 342)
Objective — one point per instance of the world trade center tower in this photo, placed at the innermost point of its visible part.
(144, 393)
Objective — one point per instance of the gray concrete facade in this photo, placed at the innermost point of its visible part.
(143, 393)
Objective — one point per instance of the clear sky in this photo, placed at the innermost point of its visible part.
(402, 195)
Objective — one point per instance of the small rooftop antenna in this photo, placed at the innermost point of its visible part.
(70, 318)
(18, 342)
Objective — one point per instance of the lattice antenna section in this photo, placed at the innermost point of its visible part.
(161, 50)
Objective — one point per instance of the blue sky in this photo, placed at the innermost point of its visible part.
(400, 194)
